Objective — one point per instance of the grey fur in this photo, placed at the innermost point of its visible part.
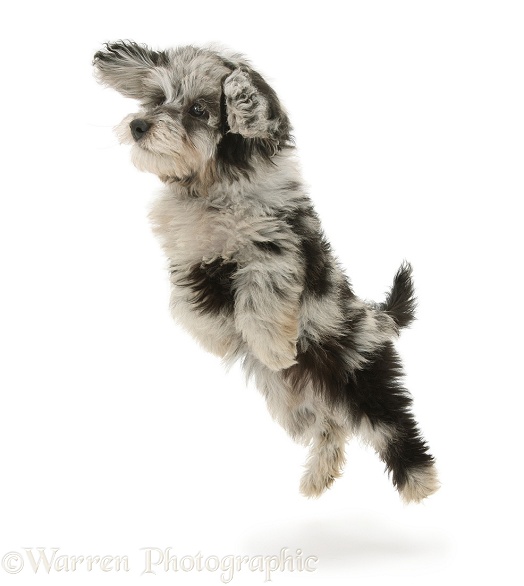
(253, 276)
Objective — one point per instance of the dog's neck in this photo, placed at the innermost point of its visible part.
(219, 176)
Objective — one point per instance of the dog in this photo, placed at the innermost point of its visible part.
(253, 275)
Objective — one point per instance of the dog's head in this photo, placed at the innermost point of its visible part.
(202, 115)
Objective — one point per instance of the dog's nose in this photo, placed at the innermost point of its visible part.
(139, 127)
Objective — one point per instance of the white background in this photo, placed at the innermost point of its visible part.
(118, 432)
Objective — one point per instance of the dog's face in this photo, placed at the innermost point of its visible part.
(201, 114)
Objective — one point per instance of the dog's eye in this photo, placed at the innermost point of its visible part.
(197, 110)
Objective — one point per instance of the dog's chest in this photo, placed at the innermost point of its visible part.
(192, 231)
(201, 242)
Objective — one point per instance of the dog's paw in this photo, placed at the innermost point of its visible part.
(313, 485)
(421, 483)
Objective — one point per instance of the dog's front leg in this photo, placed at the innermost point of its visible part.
(267, 301)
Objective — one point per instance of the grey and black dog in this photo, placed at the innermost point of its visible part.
(253, 276)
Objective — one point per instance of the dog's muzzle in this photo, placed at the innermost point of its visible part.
(139, 127)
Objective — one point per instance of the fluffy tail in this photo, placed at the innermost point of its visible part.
(400, 301)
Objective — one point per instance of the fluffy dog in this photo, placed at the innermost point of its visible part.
(253, 276)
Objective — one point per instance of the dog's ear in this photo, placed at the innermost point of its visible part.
(253, 109)
(126, 67)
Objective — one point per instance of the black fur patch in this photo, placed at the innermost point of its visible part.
(315, 251)
(321, 363)
(275, 111)
(324, 362)
(235, 152)
(400, 302)
(269, 246)
(375, 392)
(211, 284)
(224, 125)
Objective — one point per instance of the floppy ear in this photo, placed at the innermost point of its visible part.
(125, 66)
(253, 109)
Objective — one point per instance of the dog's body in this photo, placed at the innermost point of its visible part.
(253, 276)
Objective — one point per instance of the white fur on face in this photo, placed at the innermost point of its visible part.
(166, 150)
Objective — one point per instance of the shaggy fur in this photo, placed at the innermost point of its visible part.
(253, 276)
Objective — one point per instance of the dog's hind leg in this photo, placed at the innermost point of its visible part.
(414, 481)
(385, 421)
(309, 421)
(401, 447)
(326, 457)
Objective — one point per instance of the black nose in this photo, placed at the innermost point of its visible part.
(139, 128)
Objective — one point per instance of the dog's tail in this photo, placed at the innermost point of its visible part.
(400, 302)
